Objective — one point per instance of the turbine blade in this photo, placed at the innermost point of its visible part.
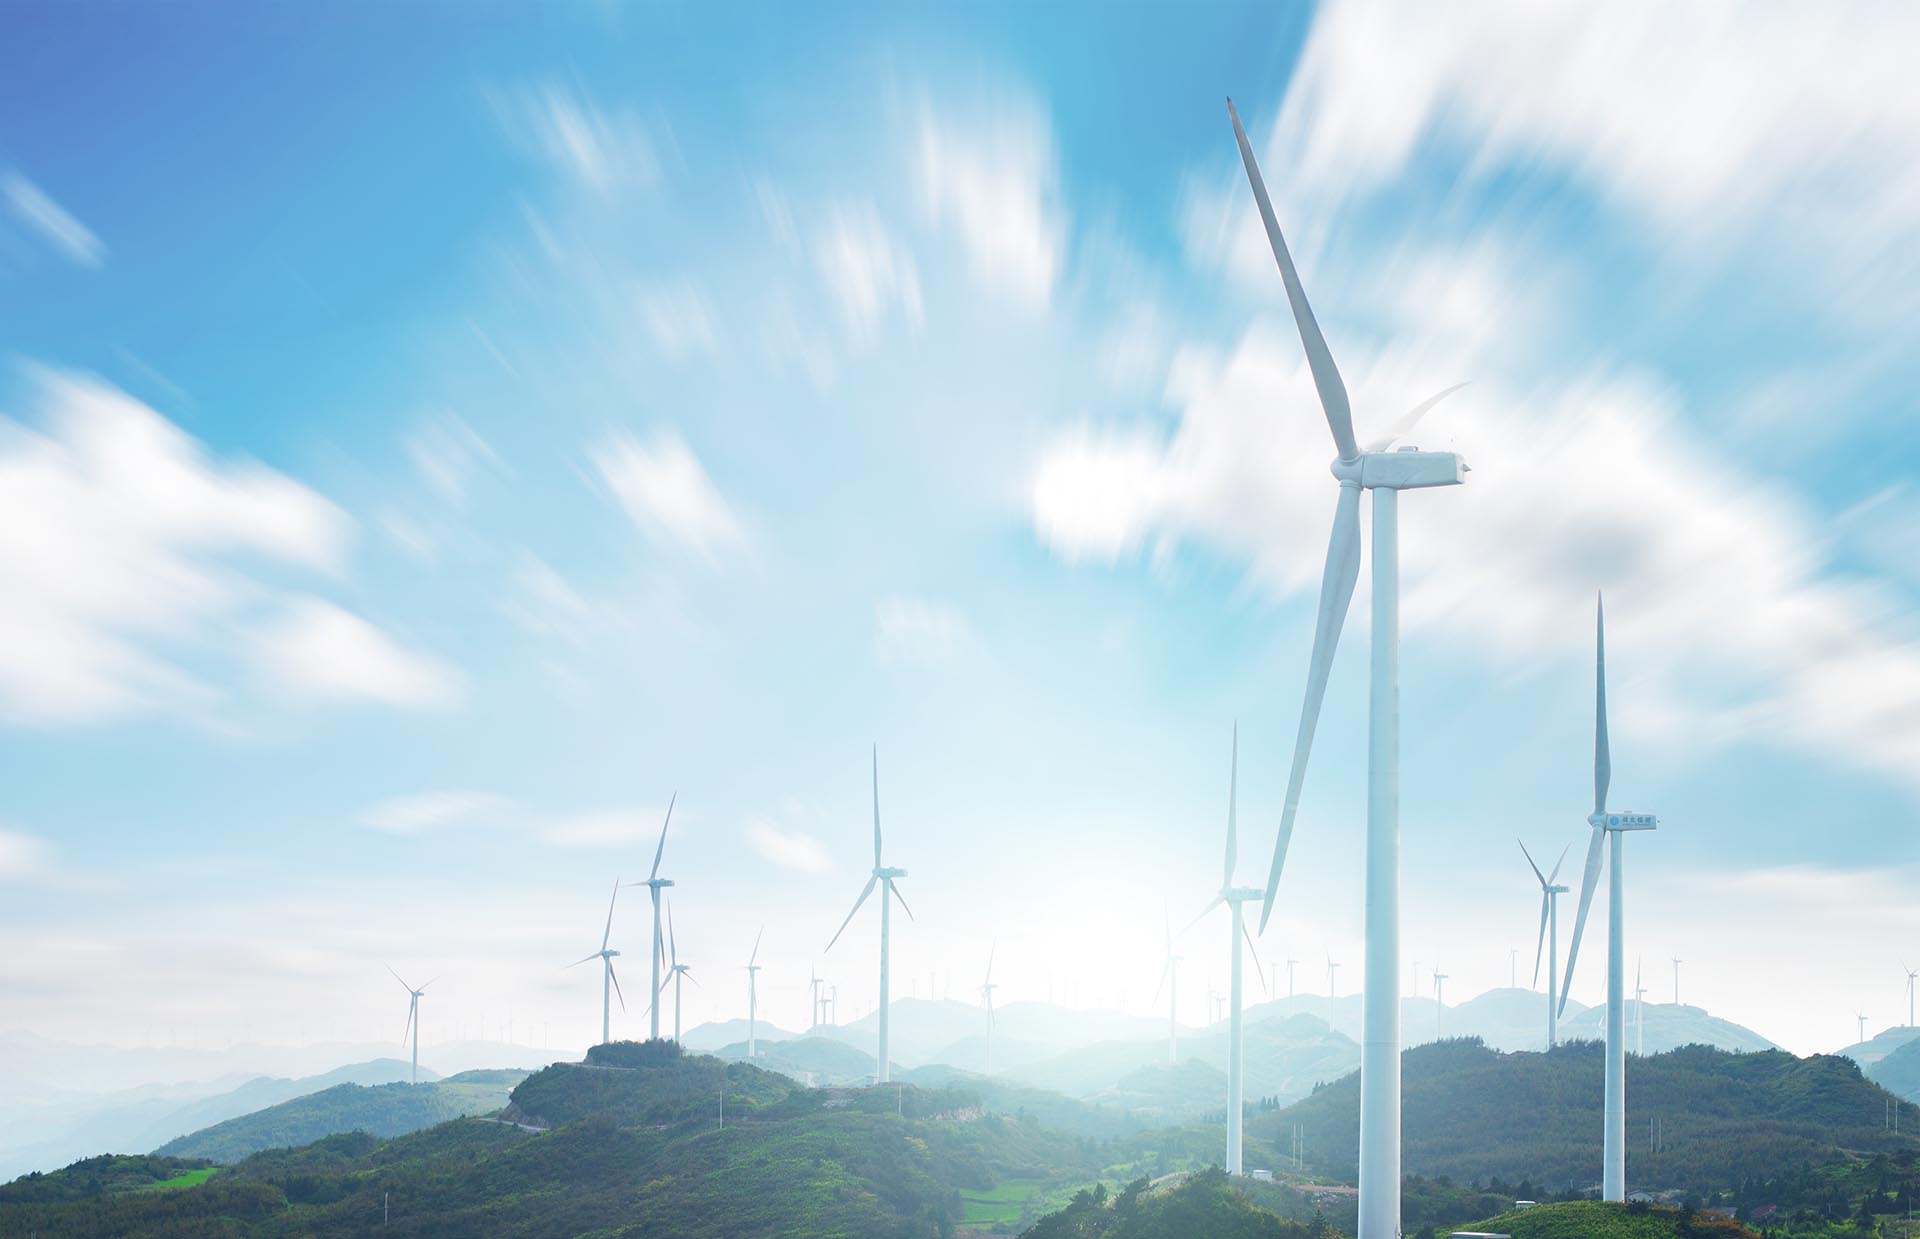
(1255, 952)
(1233, 799)
(1218, 900)
(1539, 948)
(615, 978)
(876, 806)
(1165, 969)
(396, 976)
(688, 974)
(1587, 884)
(608, 933)
(991, 952)
(895, 888)
(864, 892)
(1602, 754)
(1558, 863)
(659, 851)
(1336, 591)
(1530, 864)
(1410, 419)
(756, 946)
(1326, 376)
(576, 963)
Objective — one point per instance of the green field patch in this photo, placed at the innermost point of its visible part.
(999, 1206)
(186, 1178)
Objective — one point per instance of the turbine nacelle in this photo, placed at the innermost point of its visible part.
(1405, 468)
(888, 873)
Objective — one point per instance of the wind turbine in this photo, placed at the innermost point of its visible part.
(1170, 979)
(675, 972)
(1386, 473)
(753, 995)
(1609, 825)
(813, 980)
(885, 878)
(1439, 1000)
(1639, 1011)
(1233, 897)
(1332, 968)
(1863, 1026)
(1549, 941)
(655, 884)
(1290, 966)
(986, 1000)
(607, 979)
(1676, 980)
(1911, 974)
(413, 1019)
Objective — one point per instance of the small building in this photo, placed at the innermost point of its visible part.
(1477, 1234)
(1264, 1176)
(1525, 1204)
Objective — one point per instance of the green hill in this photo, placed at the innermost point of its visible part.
(1474, 1114)
(1205, 1204)
(381, 1110)
(1899, 1072)
(1590, 1219)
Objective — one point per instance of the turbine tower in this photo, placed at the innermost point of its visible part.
(1234, 897)
(1439, 1000)
(1386, 473)
(813, 980)
(1170, 980)
(676, 970)
(1639, 1012)
(655, 884)
(986, 1000)
(1332, 968)
(1607, 825)
(1290, 966)
(1676, 980)
(1549, 942)
(753, 995)
(413, 1019)
(607, 980)
(1862, 1017)
(885, 879)
(1911, 974)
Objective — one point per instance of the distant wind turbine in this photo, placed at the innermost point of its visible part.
(1676, 980)
(1862, 1017)
(986, 1000)
(676, 970)
(1608, 825)
(1386, 473)
(1232, 897)
(1439, 1000)
(1549, 941)
(1639, 1011)
(885, 879)
(1290, 966)
(1332, 968)
(1911, 974)
(607, 980)
(655, 884)
(753, 995)
(1170, 981)
(413, 1019)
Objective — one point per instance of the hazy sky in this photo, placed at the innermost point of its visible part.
(431, 441)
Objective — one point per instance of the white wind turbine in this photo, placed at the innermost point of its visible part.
(1863, 1026)
(1439, 1000)
(1677, 961)
(1332, 969)
(655, 884)
(1170, 981)
(1607, 825)
(609, 984)
(753, 995)
(885, 878)
(1386, 473)
(1911, 974)
(413, 1019)
(986, 1000)
(675, 971)
(813, 980)
(1639, 1011)
(1233, 897)
(1549, 942)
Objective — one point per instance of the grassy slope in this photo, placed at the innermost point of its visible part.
(1590, 1219)
(383, 1110)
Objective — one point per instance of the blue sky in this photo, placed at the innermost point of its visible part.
(433, 440)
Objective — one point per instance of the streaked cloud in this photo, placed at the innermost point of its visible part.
(993, 178)
(909, 630)
(51, 222)
(447, 453)
(788, 848)
(458, 810)
(663, 489)
(430, 811)
(870, 274)
(319, 652)
(604, 150)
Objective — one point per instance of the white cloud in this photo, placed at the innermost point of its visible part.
(789, 849)
(23, 857)
(677, 316)
(50, 221)
(668, 495)
(994, 178)
(917, 630)
(447, 453)
(604, 151)
(868, 272)
(320, 652)
(124, 540)
(429, 811)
